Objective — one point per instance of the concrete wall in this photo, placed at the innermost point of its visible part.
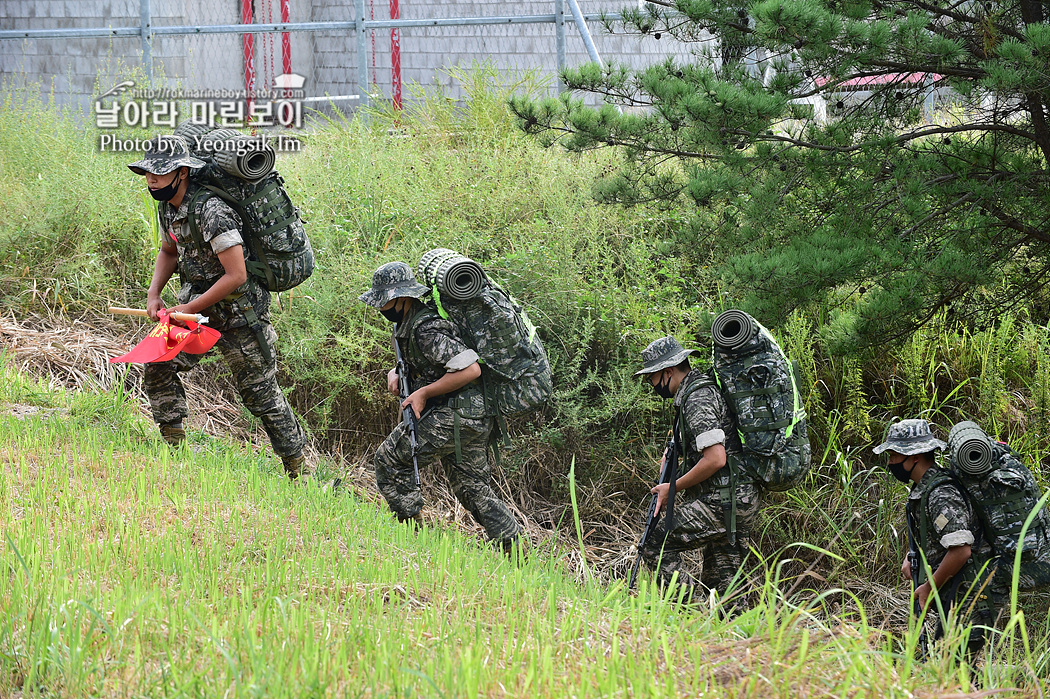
(69, 68)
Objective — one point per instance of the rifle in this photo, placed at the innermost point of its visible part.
(915, 564)
(667, 475)
(408, 416)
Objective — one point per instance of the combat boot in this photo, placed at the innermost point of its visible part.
(415, 520)
(515, 549)
(173, 434)
(294, 466)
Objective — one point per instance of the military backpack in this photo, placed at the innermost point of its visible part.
(239, 170)
(516, 374)
(760, 386)
(1003, 493)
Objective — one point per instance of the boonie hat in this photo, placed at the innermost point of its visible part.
(661, 354)
(391, 281)
(165, 154)
(910, 437)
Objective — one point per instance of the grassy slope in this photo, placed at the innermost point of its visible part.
(128, 570)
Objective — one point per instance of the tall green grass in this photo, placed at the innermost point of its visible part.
(76, 235)
(132, 570)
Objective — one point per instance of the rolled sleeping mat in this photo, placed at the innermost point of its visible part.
(972, 450)
(191, 132)
(252, 163)
(733, 329)
(210, 141)
(460, 278)
(426, 270)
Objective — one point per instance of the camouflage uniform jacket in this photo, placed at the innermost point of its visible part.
(431, 347)
(706, 421)
(942, 518)
(199, 269)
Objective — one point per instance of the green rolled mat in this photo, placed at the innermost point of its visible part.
(971, 449)
(455, 276)
(733, 329)
(253, 161)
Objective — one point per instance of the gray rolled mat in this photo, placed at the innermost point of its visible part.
(191, 132)
(426, 270)
(456, 277)
(460, 278)
(255, 162)
(733, 329)
(210, 141)
(971, 449)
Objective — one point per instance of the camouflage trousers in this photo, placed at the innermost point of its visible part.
(700, 523)
(256, 381)
(978, 598)
(471, 478)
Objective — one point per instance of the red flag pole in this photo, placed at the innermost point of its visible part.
(248, 41)
(395, 55)
(286, 44)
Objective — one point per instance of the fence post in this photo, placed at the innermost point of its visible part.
(145, 24)
(362, 55)
(585, 33)
(559, 40)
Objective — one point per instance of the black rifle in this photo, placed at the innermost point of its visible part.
(408, 415)
(915, 564)
(667, 475)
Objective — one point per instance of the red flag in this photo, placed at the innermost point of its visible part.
(165, 341)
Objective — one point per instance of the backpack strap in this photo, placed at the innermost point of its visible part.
(257, 328)
(258, 267)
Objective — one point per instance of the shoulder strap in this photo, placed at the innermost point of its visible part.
(261, 265)
(200, 196)
(923, 522)
(704, 380)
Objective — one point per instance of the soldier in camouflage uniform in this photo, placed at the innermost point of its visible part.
(447, 399)
(945, 529)
(215, 283)
(703, 499)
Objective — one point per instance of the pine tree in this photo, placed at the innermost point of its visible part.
(927, 191)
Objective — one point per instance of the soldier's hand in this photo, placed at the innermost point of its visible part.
(153, 307)
(392, 380)
(906, 568)
(181, 308)
(418, 401)
(922, 592)
(661, 492)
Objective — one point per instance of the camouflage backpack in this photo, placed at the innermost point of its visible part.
(761, 387)
(1003, 492)
(280, 256)
(516, 373)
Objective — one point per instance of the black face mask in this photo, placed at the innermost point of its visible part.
(167, 192)
(897, 471)
(394, 315)
(664, 389)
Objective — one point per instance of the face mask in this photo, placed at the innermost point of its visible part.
(166, 193)
(394, 315)
(897, 471)
(664, 389)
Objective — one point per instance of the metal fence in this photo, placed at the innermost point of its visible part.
(346, 52)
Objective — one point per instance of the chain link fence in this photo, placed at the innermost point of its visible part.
(78, 50)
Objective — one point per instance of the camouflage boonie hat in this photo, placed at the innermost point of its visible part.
(391, 281)
(661, 354)
(910, 437)
(165, 154)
